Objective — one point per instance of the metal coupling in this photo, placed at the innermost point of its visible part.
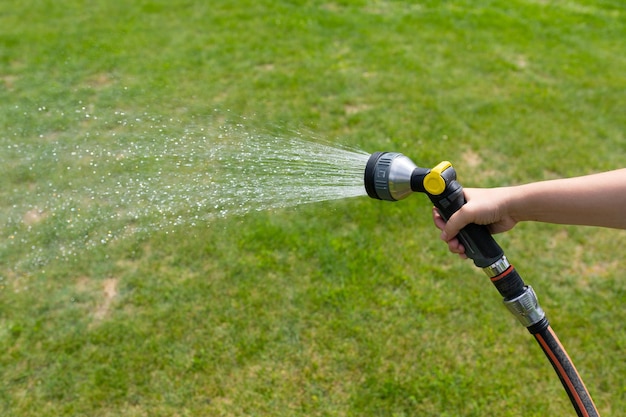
(497, 267)
(526, 307)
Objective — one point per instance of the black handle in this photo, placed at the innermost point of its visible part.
(479, 245)
(446, 194)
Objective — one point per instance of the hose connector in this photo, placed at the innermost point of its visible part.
(497, 268)
(526, 307)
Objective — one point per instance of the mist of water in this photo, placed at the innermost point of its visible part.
(66, 193)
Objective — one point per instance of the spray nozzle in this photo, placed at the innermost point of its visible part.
(392, 176)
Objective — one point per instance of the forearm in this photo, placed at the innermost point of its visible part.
(592, 200)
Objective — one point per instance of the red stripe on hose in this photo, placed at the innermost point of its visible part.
(561, 371)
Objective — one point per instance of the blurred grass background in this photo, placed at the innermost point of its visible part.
(345, 308)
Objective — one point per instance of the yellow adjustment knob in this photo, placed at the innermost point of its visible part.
(434, 183)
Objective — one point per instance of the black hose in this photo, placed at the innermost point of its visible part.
(565, 369)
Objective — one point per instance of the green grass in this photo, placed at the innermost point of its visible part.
(346, 308)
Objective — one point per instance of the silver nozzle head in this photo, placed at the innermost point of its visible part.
(388, 176)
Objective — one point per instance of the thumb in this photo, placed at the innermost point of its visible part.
(455, 223)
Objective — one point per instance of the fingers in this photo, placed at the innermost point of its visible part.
(453, 243)
(454, 224)
(439, 221)
(455, 246)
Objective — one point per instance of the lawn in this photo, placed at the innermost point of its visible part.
(350, 307)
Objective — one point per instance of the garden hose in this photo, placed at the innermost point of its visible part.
(392, 176)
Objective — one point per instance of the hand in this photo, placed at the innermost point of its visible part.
(485, 207)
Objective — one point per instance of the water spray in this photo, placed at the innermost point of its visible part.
(392, 176)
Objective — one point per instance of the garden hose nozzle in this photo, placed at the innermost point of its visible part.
(392, 176)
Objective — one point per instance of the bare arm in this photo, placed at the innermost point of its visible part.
(592, 200)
